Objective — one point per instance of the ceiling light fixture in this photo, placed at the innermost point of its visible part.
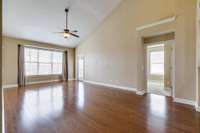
(67, 33)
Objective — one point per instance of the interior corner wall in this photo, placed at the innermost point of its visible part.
(198, 54)
(10, 61)
(112, 54)
(185, 49)
(1, 109)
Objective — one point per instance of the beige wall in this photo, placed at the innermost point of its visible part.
(169, 65)
(10, 60)
(113, 51)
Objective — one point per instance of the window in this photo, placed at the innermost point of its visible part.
(42, 62)
(157, 63)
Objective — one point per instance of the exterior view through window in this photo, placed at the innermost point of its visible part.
(42, 62)
(157, 63)
(81, 68)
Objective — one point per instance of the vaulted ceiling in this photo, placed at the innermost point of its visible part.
(37, 20)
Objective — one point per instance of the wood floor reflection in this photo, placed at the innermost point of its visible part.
(77, 107)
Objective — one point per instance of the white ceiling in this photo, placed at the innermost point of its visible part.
(37, 20)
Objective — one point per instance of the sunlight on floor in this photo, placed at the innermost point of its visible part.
(81, 95)
(157, 112)
(157, 87)
(42, 103)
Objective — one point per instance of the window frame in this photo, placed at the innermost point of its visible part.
(38, 62)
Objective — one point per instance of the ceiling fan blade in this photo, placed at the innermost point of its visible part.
(75, 31)
(74, 35)
(59, 32)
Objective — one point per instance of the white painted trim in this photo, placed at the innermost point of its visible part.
(77, 62)
(3, 112)
(111, 85)
(9, 86)
(184, 101)
(71, 79)
(140, 93)
(163, 21)
(198, 109)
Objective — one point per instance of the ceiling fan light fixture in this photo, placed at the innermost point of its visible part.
(66, 35)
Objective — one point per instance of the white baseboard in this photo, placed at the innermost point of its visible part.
(71, 79)
(111, 85)
(9, 86)
(141, 93)
(198, 109)
(3, 113)
(184, 101)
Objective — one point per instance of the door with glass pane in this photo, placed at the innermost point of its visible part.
(155, 68)
(81, 68)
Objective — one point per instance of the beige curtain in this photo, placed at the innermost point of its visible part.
(21, 66)
(65, 66)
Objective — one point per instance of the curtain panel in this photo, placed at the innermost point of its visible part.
(65, 66)
(21, 66)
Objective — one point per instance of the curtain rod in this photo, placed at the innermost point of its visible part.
(45, 48)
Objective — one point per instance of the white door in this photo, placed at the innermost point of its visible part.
(81, 68)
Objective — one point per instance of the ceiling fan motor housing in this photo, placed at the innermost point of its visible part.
(66, 10)
(66, 30)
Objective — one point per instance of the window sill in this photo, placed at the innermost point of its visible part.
(47, 75)
(156, 74)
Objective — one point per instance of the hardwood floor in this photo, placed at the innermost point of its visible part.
(77, 107)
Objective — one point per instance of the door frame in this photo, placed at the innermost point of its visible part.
(147, 60)
(167, 42)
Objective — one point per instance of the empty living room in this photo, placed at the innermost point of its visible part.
(100, 66)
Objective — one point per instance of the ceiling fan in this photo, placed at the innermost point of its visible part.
(66, 32)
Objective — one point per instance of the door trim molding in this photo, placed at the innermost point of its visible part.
(77, 67)
(160, 22)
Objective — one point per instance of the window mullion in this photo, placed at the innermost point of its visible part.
(52, 62)
(38, 61)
